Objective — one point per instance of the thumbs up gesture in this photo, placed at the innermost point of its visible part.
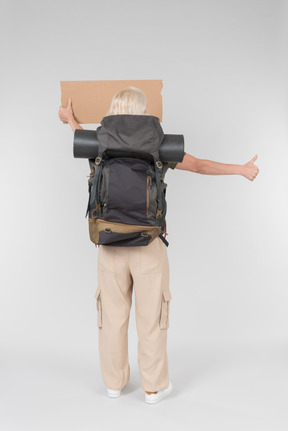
(250, 171)
(66, 114)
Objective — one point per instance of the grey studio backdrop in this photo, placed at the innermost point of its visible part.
(224, 70)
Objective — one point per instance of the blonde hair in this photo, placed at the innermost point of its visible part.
(131, 100)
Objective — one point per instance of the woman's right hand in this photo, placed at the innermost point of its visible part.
(249, 170)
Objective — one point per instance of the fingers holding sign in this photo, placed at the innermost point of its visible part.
(66, 114)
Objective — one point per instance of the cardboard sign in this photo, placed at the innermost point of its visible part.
(91, 100)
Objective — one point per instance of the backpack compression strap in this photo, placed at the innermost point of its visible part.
(95, 192)
(158, 172)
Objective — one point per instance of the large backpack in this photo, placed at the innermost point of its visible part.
(127, 193)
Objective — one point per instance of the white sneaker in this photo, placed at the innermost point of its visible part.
(113, 393)
(154, 398)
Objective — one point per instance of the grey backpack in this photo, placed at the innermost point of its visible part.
(127, 193)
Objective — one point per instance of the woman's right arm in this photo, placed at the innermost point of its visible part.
(209, 167)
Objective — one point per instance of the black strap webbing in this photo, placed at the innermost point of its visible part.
(164, 240)
(158, 173)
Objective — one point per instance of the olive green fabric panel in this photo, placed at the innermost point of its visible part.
(172, 165)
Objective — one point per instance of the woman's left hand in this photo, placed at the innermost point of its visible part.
(66, 114)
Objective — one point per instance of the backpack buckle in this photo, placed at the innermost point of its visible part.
(98, 160)
(159, 164)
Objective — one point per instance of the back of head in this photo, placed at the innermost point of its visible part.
(131, 101)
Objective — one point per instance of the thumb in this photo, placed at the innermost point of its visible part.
(254, 159)
(69, 103)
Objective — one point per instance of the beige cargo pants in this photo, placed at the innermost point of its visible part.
(146, 268)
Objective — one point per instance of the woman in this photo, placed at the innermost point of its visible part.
(146, 268)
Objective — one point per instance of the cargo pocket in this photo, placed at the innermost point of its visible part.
(164, 312)
(99, 307)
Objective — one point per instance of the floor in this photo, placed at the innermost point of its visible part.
(215, 388)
